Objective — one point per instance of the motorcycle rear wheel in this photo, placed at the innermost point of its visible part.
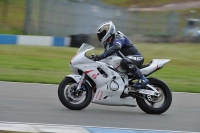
(69, 100)
(166, 96)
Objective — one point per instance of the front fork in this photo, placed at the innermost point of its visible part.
(81, 82)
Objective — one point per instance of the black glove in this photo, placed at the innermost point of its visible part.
(97, 57)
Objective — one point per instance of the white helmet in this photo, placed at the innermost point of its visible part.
(105, 30)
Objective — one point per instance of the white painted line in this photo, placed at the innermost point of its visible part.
(42, 127)
(17, 128)
(36, 128)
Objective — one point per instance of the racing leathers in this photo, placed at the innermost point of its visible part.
(132, 58)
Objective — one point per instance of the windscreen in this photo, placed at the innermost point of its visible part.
(85, 47)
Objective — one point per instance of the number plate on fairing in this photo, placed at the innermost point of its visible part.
(147, 92)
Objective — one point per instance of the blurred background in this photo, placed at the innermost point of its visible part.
(142, 20)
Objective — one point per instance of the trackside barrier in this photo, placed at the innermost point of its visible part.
(55, 128)
(34, 40)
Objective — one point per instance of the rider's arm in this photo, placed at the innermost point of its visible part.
(117, 45)
(113, 49)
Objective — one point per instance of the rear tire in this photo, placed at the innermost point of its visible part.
(167, 98)
(65, 101)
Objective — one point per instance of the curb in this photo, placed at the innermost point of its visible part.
(56, 128)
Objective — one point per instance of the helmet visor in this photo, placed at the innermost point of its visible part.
(101, 35)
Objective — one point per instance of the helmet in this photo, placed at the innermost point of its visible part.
(105, 30)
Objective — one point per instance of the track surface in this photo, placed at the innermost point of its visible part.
(39, 103)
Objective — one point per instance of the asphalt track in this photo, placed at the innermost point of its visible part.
(39, 103)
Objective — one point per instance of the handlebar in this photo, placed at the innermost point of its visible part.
(92, 57)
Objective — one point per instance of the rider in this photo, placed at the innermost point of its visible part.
(117, 43)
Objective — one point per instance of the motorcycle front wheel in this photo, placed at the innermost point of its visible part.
(153, 104)
(70, 97)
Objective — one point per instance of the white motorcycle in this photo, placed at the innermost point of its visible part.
(105, 82)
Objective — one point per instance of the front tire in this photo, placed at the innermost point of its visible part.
(149, 106)
(68, 101)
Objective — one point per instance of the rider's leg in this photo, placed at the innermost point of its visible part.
(130, 67)
(143, 81)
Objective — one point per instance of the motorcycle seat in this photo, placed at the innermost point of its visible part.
(143, 66)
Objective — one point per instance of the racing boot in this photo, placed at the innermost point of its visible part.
(142, 80)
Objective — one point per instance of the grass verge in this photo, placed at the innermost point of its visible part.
(127, 3)
(50, 64)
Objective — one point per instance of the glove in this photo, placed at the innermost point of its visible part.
(97, 57)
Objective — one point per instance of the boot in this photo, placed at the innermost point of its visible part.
(142, 82)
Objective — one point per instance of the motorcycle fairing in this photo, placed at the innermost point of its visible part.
(154, 66)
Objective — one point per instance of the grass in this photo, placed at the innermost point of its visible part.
(50, 64)
(142, 3)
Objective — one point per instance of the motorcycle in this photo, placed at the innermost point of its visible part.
(105, 82)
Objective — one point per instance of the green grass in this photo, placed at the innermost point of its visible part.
(51, 64)
(141, 3)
